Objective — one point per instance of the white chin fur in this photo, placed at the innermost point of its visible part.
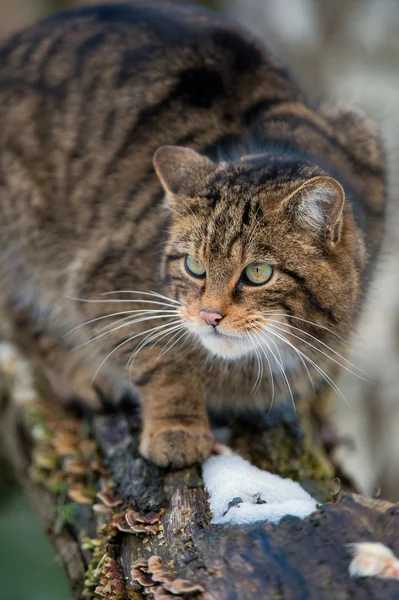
(226, 346)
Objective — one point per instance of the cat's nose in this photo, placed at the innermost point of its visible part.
(211, 318)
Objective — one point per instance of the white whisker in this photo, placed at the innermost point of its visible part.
(127, 324)
(259, 362)
(318, 349)
(280, 314)
(320, 342)
(129, 340)
(92, 301)
(155, 338)
(269, 366)
(314, 365)
(149, 293)
(263, 334)
(168, 346)
(122, 312)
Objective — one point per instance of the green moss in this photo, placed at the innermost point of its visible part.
(105, 570)
(35, 422)
(67, 513)
(289, 452)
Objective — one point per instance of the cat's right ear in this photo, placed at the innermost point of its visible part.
(181, 170)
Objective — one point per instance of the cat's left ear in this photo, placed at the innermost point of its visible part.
(181, 170)
(317, 207)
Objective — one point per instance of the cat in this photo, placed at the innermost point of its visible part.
(177, 220)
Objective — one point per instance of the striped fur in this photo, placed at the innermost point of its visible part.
(86, 98)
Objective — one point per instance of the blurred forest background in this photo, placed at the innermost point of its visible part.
(344, 51)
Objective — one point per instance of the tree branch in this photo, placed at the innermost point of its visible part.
(123, 528)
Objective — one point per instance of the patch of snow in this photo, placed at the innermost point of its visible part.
(240, 493)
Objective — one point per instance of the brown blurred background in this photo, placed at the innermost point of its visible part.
(344, 51)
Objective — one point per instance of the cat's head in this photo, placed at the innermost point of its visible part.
(259, 249)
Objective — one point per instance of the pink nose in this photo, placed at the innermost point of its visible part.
(211, 318)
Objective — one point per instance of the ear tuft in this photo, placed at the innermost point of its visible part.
(181, 170)
(317, 207)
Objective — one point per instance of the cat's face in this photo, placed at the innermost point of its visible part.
(257, 248)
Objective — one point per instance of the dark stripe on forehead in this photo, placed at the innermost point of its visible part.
(261, 247)
(312, 299)
(230, 243)
(282, 171)
(245, 212)
(213, 197)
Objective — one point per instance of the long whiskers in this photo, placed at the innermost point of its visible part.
(155, 338)
(311, 362)
(126, 323)
(268, 363)
(280, 314)
(169, 345)
(281, 328)
(133, 337)
(262, 333)
(137, 312)
(259, 374)
(149, 293)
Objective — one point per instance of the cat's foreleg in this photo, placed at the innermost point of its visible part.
(176, 430)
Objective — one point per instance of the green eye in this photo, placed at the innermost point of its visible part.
(257, 274)
(194, 266)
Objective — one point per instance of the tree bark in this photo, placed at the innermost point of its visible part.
(123, 528)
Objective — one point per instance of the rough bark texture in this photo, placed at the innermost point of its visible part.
(84, 477)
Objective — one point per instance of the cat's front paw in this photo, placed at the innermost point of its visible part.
(177, 446)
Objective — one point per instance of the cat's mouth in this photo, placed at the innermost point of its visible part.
(225, 334)
(225, 344)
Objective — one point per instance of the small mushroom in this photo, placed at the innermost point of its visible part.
(182, 586)
(152, 517)
(155, 562)
(151, 529)
(100, 508)
(75, 466)
(81, 495)
(138, 526)
(122, 526)
(132, 517)
(95, 465)
(107, 499)
(160, 572)
(141, 578)
(135, 517)
(140, 563)
(162, 576)
(65, 443)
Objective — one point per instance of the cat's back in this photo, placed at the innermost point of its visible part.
(87, 96)
(144, 55)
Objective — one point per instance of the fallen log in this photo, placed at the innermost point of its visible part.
(124, 528)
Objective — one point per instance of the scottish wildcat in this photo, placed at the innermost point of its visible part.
(175, 217)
